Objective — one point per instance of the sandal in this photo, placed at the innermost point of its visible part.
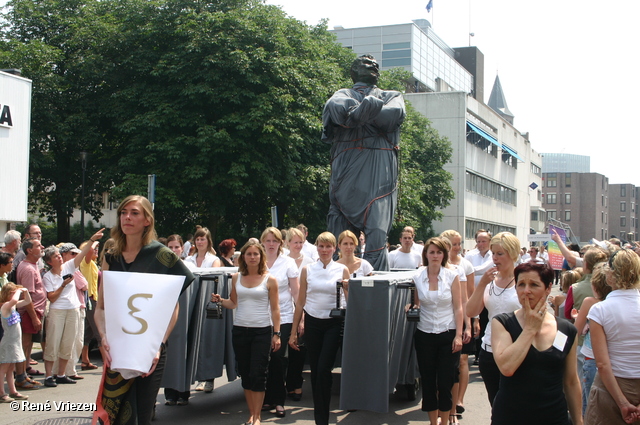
(6, 399)
(26, 385)
(459, 408)
(34, 372)
(280, 412)
(18, 396)
(88, 366)
(32, 362)
(267, 407)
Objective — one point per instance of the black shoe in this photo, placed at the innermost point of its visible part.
(64, 380)
(183, 401)
(49, 382)
(476, 361)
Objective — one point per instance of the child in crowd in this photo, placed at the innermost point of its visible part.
(11, 296)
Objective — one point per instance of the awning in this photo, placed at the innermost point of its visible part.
(512, 152)
(483, 134)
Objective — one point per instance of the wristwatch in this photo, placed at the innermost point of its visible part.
(277, 333)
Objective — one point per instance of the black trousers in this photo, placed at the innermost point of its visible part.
(147, 391)
(296, 365)
(437, 366)
(276, 391)
(323, 338)
(252, 347)
(490, 374)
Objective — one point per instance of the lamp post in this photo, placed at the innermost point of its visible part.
(83, 159)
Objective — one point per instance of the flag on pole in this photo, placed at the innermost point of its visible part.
(429, 5)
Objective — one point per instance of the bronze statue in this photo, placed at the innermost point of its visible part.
(362, 124)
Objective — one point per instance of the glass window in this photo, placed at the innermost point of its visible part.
(567, 198)
(551, 198)
(623, 221)
(567, 216)
(567, 179)
(396, 54)
(623, 206)
(623, 191)
(396, 62)
(551, 214)
(552, 180)
(394, 46)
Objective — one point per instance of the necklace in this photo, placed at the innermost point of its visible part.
(493, 291)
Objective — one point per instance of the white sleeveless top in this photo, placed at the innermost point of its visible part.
(321, 288)
(283, 269)
(253, 309)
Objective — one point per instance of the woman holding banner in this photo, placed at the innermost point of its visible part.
(136, 250)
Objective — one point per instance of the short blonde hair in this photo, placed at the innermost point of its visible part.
(326, 237)
(625, 266)
(276, 234)
(509, 243)
(294, 232)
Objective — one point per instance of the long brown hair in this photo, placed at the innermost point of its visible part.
(149, 233)
(242, 266)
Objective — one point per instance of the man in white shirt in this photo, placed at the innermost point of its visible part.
(481, 256)
(415, 247)
(405, 257)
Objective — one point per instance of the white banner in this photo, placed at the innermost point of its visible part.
(138, 308)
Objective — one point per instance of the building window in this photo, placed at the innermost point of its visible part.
(567, 198)
(567, 216)
(623, 191)
(551, 214)
(552, 180)
(536, 170)
(551, 198)
(472, 226)
(539, 195)
(567, 179)
(623, 221)
(494, 190)
(534, 215)
(481, 143)
(623, 206)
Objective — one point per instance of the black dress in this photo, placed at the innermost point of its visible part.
(535, 393)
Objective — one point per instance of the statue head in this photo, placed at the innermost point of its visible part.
(365, 70)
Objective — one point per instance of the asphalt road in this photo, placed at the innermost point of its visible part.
(226, 405)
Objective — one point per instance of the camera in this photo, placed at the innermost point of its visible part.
(413, 315)
(67, 276)
(338, 312)
(214, 310)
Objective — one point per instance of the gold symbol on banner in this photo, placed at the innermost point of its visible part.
(133, 309)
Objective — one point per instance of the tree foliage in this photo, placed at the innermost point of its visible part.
(222, 100)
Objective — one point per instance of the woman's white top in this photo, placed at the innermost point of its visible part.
(68, 299)
(619, 316)
(208, 261)
(365, 269)
(321, 288)
(253, 309)
(436, 307)
(305, 260)
(498, 300)
(283, 269)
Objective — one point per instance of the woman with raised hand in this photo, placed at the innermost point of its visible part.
(438, 338)
(256, 326)
(285, 270)
(615, 340)
(323, 333)
(536, 355)
(497, 292)
(135, 250)
(204, 255)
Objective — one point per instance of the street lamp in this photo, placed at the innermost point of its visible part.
(83, 159)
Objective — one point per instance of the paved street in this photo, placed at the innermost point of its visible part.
(226, 405)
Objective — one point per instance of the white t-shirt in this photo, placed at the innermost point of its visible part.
(498, 300)
(310, 250)
(68, 299)
(254, 310)
(283, 269)
(208, 261)
(619, 316)
(481, 263)
(417, 248)
(436, 307)
(321, 288)
(404, 260)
